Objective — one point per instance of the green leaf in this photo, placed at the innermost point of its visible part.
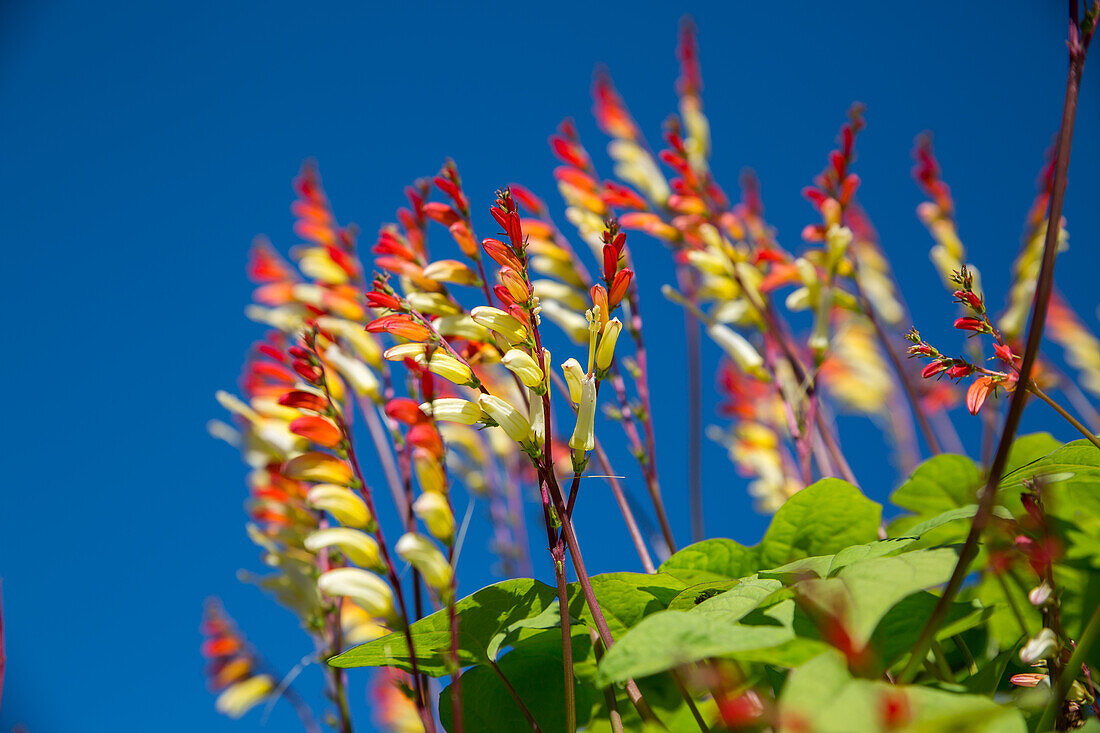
(822, 694)
(487, 618)
(537, 674)
(941, 483)
(693, 595)
(899, 629)
(625, 598)
(822, 519)
(713, 559)
(865, 591)
(988, 678)
(671, 638)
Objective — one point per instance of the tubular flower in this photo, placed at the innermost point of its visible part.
(584, 432)
(511, 420)
(978, 392)
(429, 471)
(319, 430)
(363, 587)
(605, 352)
(451, 271)
(537, 418)
(574, 376)
(418, 551)
(450, 368)
(524, 366)
(434, 511)
(319, 467)
(232, 665)
(357, 374)
(341, 502)
(737, 347)
(359, 547)
(452, 409)
(510, 327)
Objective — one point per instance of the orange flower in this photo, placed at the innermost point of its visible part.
(978, 392)
(317, 429)
(319, 467)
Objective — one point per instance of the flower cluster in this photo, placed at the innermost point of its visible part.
(232, 667)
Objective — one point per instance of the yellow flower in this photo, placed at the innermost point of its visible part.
(363, 587)
(524, 366)
(738, 348)
(511, 420)
(429, 471)
(240, 697)
(317, 466)
(360, 547)
(434, 511)
(341, 502)
(418, 551)
(497, 320)
(606, 350)
(452, 409)
(450, 271)
(574, 375)
(584, 433)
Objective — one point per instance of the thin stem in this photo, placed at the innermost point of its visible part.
(1034, 389)
(301, 709)
(1076, 661)
(641, 383)
(690, 702)
(695, 409)
(616, 490)
(988, 499)
(566, 640)
(515, 696)
(613, 716)
(422, 705)
(904, 376)
(382, 449)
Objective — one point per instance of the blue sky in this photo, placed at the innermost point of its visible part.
(144, 144)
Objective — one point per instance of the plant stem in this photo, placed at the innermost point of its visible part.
(1034, 389)
(695, 419)
(566, 640)
(515, 696)
(1077, 52)
(301, 709)
(616, 490)
(382, 449)
(613, 716)
(904, 376)
(1076, 662)
(690, 702)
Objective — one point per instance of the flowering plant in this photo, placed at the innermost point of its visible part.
(435, 374)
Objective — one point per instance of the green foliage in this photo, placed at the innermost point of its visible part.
(819, 615)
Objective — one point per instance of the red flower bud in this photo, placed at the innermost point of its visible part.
(303, 400)
(317, 429)
(404, 410)
(933, 369)
(960, 370)
(382, 300)
(1004, 353)
(970, 324)
(619, 287)
(970, 299)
